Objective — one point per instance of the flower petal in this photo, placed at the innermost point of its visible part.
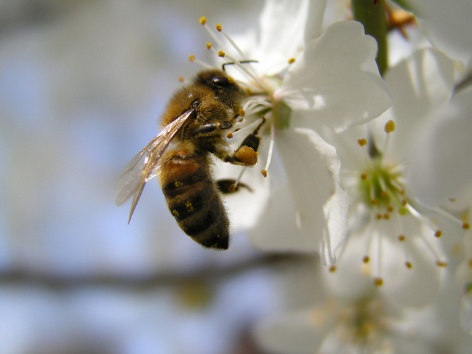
(245, 206)
(447, 25)
(415, 287)
(284, 27)
(418, 285)
(420, 85)
(321, 204)
(442, 153)
(294, 332)
(336, 77)
(277, 229)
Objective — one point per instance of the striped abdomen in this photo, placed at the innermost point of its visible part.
(193, 198)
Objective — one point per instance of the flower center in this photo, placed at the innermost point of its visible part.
(281, 114)
(381, 188)
(391, 213)
(357, 324)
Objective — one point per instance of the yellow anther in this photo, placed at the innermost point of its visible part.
(402, 211)
(362, 142)
(241, 112)
(203, 20)
(438, 233)
(181, 79)
(229, 135)
(219, 28)
(221, 53)
(389, 126)
(441, 264)
(291, 60)
(466, 225)
(402, 238)
(264, 172)
(191, 57)
(408, 265)
(378, 282)
(208, 45)
(332, 269)
(366, 259)
(231, 80)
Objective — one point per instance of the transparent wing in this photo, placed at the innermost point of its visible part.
(144, 165)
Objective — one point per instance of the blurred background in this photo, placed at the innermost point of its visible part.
(82, 86)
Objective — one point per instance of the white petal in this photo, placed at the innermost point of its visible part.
(447, 25)
(443, 152)
(292, 333)
(336, 78)
(419, 285)
(313, 173)
(349, 281)
(245, 206)
(283, 28)
(415, 287)
(277, 230)
(420, 85)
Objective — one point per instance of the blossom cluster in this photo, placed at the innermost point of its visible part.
(366, 169)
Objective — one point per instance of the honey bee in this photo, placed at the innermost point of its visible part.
(195, 124)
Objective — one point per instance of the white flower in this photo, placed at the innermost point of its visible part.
(446, 24)
(302, 83)
(393, 240)
(447, 138)
(335, 323)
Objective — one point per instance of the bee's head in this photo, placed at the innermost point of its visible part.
(224, 86)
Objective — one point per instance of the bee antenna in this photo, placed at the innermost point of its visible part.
(240, 62)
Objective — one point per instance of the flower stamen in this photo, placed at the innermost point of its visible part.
(203, 22)
(378, 265)
(193, 59)
(219, 28)
(271, 149)
(247, 70)
(388, 128)
(238, 179)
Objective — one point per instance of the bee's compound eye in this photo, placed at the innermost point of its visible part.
(195, 104)
(220, 81)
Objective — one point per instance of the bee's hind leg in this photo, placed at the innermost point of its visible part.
(246, 153)
(230, 186)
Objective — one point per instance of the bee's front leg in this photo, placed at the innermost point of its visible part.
(209, 128)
